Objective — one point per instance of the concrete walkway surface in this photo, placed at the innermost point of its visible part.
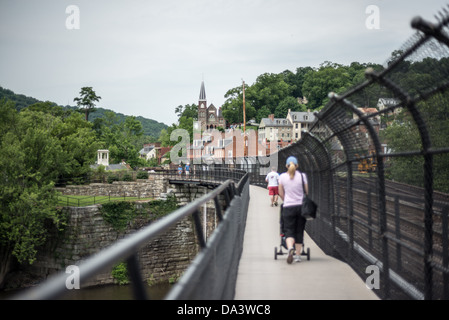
(261, 277)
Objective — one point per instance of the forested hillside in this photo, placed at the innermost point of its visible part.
(150, 127)
(21, 101)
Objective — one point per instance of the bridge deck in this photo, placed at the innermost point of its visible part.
(261, 277)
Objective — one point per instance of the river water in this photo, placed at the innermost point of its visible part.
(107, 292)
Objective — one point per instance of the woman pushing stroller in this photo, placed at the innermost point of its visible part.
(291, 192)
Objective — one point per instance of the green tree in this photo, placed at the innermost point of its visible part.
(263, 112)
(266, 93)
(132, 128)
(296, 80)
(330, 77)
(289, 103)
(188, 111)
(184, 123)
(86, 101)
(268, 90)
(233, 110)
(32, 158)
(50, 108)
(79, 144)
(123, 139)
(402, 135)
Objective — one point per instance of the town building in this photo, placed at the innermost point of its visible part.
(209, 116)
(148, 151)
(300, 121)
(275, 129)
(390, 116)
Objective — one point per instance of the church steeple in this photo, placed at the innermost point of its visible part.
(208, 116)
(202, 93)
(202, 107)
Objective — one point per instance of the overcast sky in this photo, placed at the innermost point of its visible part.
(146, 57)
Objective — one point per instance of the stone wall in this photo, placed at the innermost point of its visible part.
(87, 233)
(145, 188)
(189, 193)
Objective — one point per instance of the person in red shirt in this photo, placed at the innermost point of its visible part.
(273, 186)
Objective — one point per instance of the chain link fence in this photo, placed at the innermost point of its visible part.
(381, 177)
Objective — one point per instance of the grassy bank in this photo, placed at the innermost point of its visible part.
(83, 201)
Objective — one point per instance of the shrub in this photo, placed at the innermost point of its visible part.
(127, 177)
(112, 178)
(120, 273)
(142, 175)
(118, 214)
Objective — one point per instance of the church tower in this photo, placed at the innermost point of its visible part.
(209, 117)
(202, 107)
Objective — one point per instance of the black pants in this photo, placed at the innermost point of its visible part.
(292, 223)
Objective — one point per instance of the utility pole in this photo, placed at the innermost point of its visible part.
(245, 138)
(244, 108)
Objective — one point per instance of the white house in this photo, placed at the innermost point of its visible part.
(300, 121)
(275, 129)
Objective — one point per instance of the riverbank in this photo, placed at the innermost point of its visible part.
(156, 291)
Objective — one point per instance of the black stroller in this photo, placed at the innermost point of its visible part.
(284, 244)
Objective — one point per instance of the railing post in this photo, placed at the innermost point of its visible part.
(218, 209)
(139, 291)
(199, 229)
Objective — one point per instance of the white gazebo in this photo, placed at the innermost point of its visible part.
(103, 157)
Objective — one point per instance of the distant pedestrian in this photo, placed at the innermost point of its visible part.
(292, 193)
(180, 169)
(187, 168)
(273, 186)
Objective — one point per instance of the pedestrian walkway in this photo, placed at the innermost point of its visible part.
(261, 277)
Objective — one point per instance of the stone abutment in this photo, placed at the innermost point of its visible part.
(87, 233)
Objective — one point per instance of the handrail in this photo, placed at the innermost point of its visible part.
(126, 249)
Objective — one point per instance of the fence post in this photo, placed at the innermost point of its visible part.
(370, 220)
(398, 233)
(445, 235)
(350, 208)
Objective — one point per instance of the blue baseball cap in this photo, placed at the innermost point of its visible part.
(292, 159)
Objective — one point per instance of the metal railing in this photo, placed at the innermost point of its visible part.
(203, 173)
(231, 217)
(84, 201)
(380, 178)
